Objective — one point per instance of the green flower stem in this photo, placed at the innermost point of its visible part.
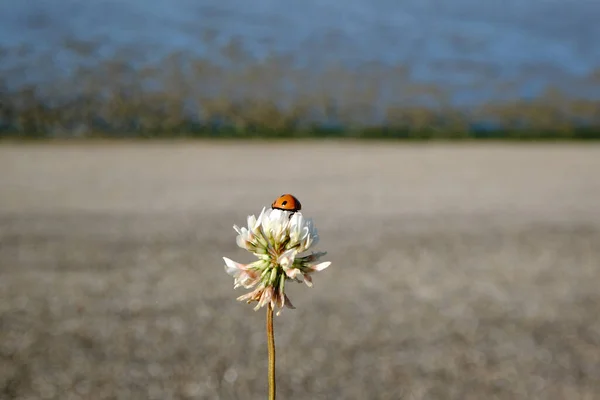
(271, 346)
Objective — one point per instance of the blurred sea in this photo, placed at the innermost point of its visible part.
(441, 41)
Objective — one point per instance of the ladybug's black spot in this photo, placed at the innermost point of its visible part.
(284, 203)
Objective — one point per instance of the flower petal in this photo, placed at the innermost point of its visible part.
(253, 295)
(288, 303)
(266, 297)
(242, 242)
(321, 266)
(308, 280)
(251, 222)
(259, 220)
(231, 267)
(287, 258)
(293, 272)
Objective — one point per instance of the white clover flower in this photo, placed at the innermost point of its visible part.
(277, 238)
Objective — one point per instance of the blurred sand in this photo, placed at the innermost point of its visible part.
(459, 271)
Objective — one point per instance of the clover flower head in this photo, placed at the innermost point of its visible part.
(277, 238)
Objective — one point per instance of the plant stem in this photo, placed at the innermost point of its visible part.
(271, 346)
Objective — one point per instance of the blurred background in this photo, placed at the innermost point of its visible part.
(461, 269)
(416, 69)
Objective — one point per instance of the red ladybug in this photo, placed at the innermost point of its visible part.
(287, 202)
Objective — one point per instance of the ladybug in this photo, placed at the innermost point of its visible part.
(287, 202)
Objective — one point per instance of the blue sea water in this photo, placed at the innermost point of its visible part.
(552, 38)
